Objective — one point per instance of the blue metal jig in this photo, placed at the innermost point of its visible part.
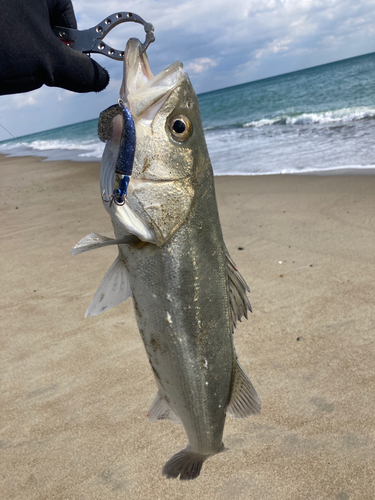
(125, 157)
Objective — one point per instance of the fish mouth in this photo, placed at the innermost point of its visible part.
(143, 92)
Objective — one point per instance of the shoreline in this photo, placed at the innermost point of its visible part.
(336, 171)
(75, 392)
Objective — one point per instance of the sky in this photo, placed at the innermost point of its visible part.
(220, 42)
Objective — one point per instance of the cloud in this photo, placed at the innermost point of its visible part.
(220, 42)
(201, 64)
(22, 100)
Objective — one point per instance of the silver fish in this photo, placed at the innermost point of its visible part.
(187, 292)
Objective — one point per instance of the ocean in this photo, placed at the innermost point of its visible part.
(317, 120)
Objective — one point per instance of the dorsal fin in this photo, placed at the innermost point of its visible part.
(239, 303)
(114, 289)
(244, 399)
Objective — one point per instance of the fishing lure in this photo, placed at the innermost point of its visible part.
(125, 157)
(126, 151)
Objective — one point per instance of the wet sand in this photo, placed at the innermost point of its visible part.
(75, 392)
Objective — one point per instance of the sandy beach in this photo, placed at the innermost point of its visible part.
(75, 392)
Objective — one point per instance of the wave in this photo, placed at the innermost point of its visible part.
(343, 115)
(85, 148)
(340, 170)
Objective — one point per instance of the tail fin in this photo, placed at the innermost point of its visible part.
(185, 464)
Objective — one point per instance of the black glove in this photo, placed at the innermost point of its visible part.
(32, 55)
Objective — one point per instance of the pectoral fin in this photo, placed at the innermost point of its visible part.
(114, 289)
(94, 240)
(244, 398)
(239, 303)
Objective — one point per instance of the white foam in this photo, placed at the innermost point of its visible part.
(263, 122)
(343, 115)
(346, 169)
(85, 149)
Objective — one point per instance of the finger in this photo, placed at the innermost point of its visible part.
(62, 13)
(71, 70)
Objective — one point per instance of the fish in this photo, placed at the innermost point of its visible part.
(187, 292)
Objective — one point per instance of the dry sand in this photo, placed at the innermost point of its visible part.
(74, 393)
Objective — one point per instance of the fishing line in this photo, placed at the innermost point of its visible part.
(19, 142)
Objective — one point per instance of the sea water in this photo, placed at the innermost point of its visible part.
(314, 120)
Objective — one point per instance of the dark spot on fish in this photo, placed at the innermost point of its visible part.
(101, 297)
(16, 208)
(155, 344)
(137, 309)
(167, 398)
(156, 373)
(146, 165)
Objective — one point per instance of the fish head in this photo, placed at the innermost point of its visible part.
(170, 155)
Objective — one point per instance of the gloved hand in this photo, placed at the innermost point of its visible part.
(32, 55)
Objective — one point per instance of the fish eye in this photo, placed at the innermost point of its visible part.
(180, 128)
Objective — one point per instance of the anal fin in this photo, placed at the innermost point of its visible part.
(114, 289)
(160, 410)
(244, 398)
